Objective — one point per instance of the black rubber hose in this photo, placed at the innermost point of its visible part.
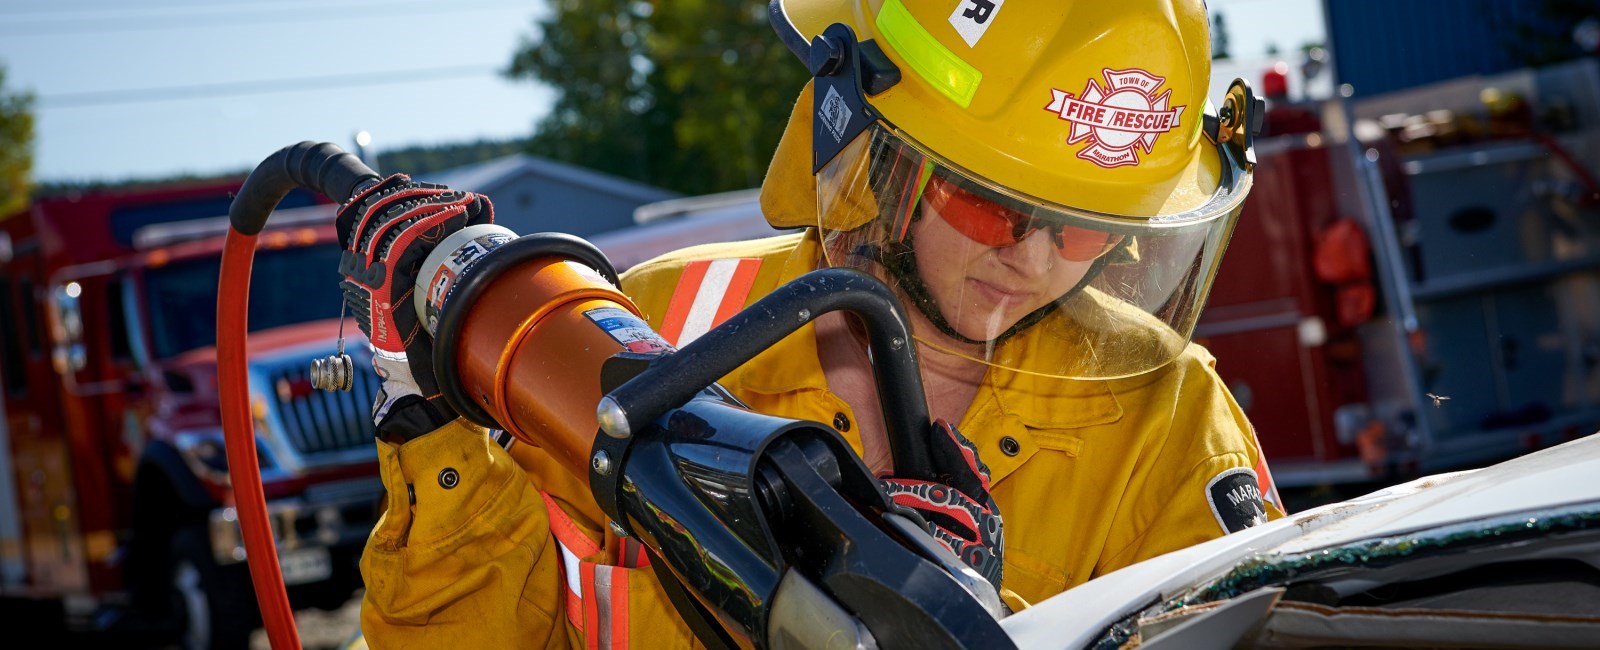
(322, 167)
(676, 378)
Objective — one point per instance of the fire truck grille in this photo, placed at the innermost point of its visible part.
(317, 421)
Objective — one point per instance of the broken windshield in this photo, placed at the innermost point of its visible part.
(1385, 570)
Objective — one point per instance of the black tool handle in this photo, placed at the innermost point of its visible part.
(675, 379)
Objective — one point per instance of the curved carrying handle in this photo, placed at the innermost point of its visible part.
(323, 167)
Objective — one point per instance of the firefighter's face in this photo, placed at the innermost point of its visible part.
(983, 290)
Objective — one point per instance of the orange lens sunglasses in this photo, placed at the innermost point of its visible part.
(997, 226)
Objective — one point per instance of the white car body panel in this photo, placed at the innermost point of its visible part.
(1566, 474)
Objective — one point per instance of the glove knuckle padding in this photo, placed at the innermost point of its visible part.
(354, 211)
(365, 207)
(957, 508)
(383, 211)
(388, 231)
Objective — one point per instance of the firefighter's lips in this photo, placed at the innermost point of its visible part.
(997, 294)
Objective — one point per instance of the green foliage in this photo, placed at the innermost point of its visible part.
(16, 147)
(690, 95)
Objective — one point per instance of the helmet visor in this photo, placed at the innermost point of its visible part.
(1013, 281)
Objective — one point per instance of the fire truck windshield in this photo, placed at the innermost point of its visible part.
(291, 285)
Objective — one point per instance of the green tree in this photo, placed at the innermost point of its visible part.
(1219, 36)
(691, 95)
(425, 159)
(16, 147)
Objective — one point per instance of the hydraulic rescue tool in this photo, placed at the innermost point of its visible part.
(764, 531)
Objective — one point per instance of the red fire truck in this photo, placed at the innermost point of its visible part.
(1412, 286)
(116, 510)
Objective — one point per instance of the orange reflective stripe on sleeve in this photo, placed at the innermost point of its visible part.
(574, 546)
(682, 299)
(632, 555)
(708, 292)
(743, 276)
(597, 594)
(1269, 492)
(605, 618)
(591, 609)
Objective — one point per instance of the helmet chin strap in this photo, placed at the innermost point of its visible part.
(901, 262)
(899, 258)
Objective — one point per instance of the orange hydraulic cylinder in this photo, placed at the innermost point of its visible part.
(531, 348)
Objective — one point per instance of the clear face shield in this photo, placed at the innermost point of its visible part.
(1012, 281)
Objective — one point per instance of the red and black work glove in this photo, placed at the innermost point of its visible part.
(387, 230)
(958, 509)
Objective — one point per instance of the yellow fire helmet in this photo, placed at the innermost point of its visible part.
(1044, 181)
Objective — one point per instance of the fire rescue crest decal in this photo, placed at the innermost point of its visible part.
(1119, 119)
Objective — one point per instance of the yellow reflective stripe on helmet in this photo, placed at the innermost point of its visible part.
(924, 175)
(940, 67)
(1200, 120)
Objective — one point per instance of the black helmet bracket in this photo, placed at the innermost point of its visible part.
(846, 73)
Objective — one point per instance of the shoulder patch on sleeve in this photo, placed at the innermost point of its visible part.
(1235, 498)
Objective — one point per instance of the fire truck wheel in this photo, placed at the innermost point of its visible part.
(214, 604)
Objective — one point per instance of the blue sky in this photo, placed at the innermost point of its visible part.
(160, 87)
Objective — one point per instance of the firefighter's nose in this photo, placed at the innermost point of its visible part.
(1031, 257)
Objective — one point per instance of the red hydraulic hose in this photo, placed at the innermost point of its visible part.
(233, 309)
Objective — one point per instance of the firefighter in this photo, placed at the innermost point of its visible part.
(1038, 191)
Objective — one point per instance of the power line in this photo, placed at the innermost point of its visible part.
(262, 87)
(294, 84)
(250, 17)
(57, 12)
(146, 10)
